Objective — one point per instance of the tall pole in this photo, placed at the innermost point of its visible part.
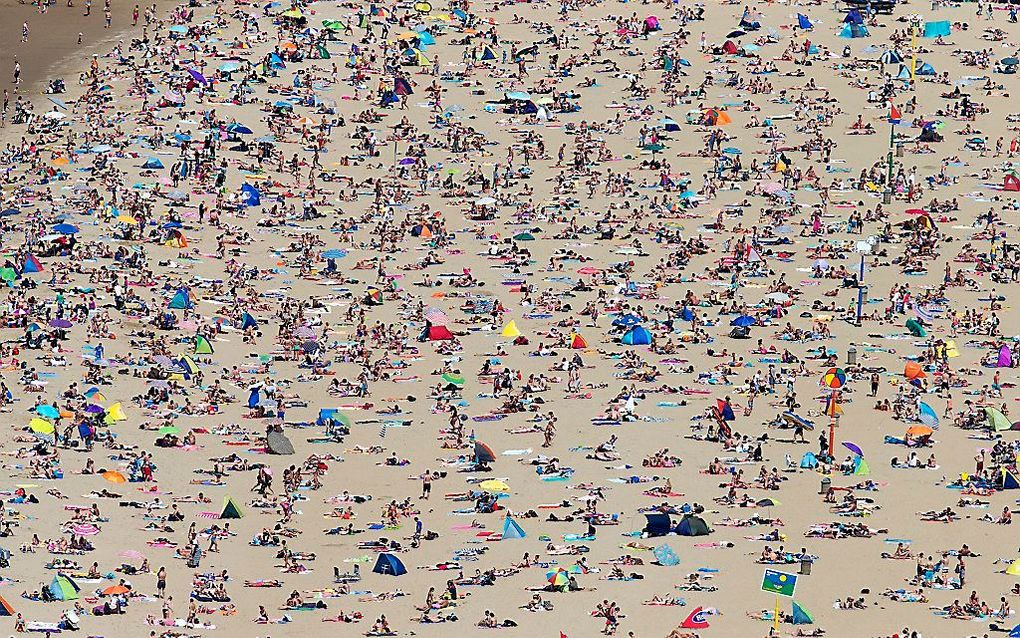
(860, 292)
(913, 59)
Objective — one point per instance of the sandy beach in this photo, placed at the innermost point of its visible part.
(548, 308)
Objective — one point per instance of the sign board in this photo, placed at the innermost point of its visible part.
(779, 583)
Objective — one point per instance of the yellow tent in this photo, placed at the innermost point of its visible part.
(511, 329)
(115, 413)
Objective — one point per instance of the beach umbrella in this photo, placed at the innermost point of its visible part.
(853, 447)
(484, 453)
(455, 379)
(436, 317)
(198, 76)
(115, 590)
(1015, 632)
(494, 485)
(558, 577)
(665, 555)
(239, 129)
(66, 229)
(335, 253)
(47, 411)
(85, 529)
(229, 67)
(919, 430)
(743, 321)
(60, 323)
(41, 427)
(834, 378)
(518, 96)
(114, 476)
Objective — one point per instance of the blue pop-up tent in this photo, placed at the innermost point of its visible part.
(389, 565)
(511, 529)
(637, 336)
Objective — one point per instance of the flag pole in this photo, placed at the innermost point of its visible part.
(776, 617)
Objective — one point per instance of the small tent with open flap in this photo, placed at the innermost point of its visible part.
(511, 530)
(181, 300)
(511, 330)
(202, 345)
(230, 509)
(389, 565)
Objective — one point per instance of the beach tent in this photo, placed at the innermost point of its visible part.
(488, 53)
(181, 300)
(652, 24)
(511, 330)
(577, 342)
(854, 31)
(997, 420)
(861, 467)
(729, 47)
(809, 461)
(853, 16)
(152, 162)
(402, 87)
(924, 69)
(692, 525)
(415, 57)
(114, 414)
(436, 333)
(511, 529)
(484, 453)
(803, 22)
(32, 264)
(63, 588)
(278, 443)
(636, 336)
(5, 608)
(666, 556)
(926, 414)
(657, 524)
(936, 29)
(1010, 481)
(801, 616)
(230, 509)
(248, 321)
(202, 345)
(389, 565)
(1009, 183)
(422, 230)
(915, 328)
(1005, 357)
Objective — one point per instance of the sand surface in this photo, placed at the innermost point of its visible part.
(673, 394)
